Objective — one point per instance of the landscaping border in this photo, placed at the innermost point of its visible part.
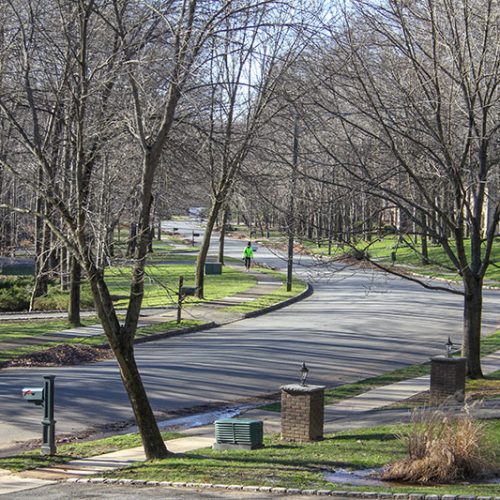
(281, 491)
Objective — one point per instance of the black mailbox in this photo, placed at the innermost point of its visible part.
(187, 290)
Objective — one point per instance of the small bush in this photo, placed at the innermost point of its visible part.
(14, 298)
(443, 448)
(14, 281)
(57, 300)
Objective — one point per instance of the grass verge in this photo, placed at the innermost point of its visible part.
(95, 340)
(294, 465)
(72, 451)
(278, 295)
(489, 344)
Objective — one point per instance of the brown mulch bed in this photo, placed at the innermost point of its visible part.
(62, 355)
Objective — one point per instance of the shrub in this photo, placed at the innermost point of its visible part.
(15, 281)
(58, 300)
(14, 298)
(443, 448)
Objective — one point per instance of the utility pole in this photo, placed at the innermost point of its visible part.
(291, 208)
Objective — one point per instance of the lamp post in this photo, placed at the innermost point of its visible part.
(303, 374)
(291, 208)
(449, 347)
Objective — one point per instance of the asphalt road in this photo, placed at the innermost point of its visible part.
(63, 491)
(356, 324)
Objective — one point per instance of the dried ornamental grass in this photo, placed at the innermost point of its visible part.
(443, 448)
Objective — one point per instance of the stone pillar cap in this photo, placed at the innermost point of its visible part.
(302, 389)
(445, 359)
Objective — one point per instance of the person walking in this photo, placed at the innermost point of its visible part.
(248, 255)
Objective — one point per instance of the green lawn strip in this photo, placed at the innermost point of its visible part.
(278, 295)
(98, 340)
(161, 284)
(10, 330)
(72, 451)
(489, 345)
(439, 262)
(168, 326)
(408, 256)
(300, 465)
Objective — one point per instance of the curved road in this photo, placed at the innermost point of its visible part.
(356, 324)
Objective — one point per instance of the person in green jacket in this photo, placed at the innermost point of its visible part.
(248, 255)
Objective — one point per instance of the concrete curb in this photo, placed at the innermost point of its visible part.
(306, 293)
(175, 333)
(212, 324)
(281, 491)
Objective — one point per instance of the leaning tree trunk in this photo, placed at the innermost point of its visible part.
(154, 446)
(121, 342)
(473, 301)
(205, 245)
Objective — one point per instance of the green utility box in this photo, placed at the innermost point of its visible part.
(213, 268)
(235, 433)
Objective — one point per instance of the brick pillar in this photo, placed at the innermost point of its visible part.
(447, 379)
(302, 411)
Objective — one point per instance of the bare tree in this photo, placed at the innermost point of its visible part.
(409, 94)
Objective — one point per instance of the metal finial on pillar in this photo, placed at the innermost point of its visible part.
(303, 373)
(449, 347)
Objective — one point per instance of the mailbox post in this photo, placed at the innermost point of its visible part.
(48, 422)
(44, 396)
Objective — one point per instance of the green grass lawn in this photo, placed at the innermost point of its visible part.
(407, 254)
(96, 340)
(161, 284)
(296, 465)
(15, 330)
(278, 295)
(278, 464)
(489, 345)
(72, 451)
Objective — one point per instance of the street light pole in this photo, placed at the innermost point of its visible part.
(291, 210)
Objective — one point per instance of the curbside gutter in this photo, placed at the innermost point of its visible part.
(175, 333)
(303, 295)
(281, 491)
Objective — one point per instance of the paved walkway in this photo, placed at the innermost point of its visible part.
(369, 409)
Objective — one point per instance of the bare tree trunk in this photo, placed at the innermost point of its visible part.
(121, 342)
(154, 446)
(132, 240)
(40, 287)
(74, 292)
(205, 245)
(473, 301)
(223, 234)
(424, 247)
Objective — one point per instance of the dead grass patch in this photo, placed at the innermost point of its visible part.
(443, 448)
